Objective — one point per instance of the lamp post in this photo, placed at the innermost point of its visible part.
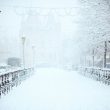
(93, 57)
(33, 49)
(23, 48)
(105, 53)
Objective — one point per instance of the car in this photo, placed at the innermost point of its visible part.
(4, 68)
(108, 65)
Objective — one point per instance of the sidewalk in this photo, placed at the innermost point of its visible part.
(55, 89)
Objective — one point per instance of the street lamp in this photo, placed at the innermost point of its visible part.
(105, 52)
(33, 49)
(93, 57)
(23, 48)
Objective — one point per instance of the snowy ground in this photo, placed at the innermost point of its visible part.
(56, 89)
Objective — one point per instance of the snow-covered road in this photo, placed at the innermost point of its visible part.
(56, 89)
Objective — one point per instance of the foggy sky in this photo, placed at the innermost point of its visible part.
(61, 38)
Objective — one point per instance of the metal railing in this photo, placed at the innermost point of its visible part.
(98, 74)
(12, 79)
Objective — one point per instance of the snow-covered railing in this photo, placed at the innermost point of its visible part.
(102, 75)
(13, 78)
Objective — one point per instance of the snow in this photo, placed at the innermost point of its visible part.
(57, 89)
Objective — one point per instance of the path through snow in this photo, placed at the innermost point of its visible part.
(56, 89)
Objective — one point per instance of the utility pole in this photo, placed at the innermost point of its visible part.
(23, 48)
(93, 57)
(105, 54)
(33, 49)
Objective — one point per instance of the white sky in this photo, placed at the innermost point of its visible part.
(43, 3)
